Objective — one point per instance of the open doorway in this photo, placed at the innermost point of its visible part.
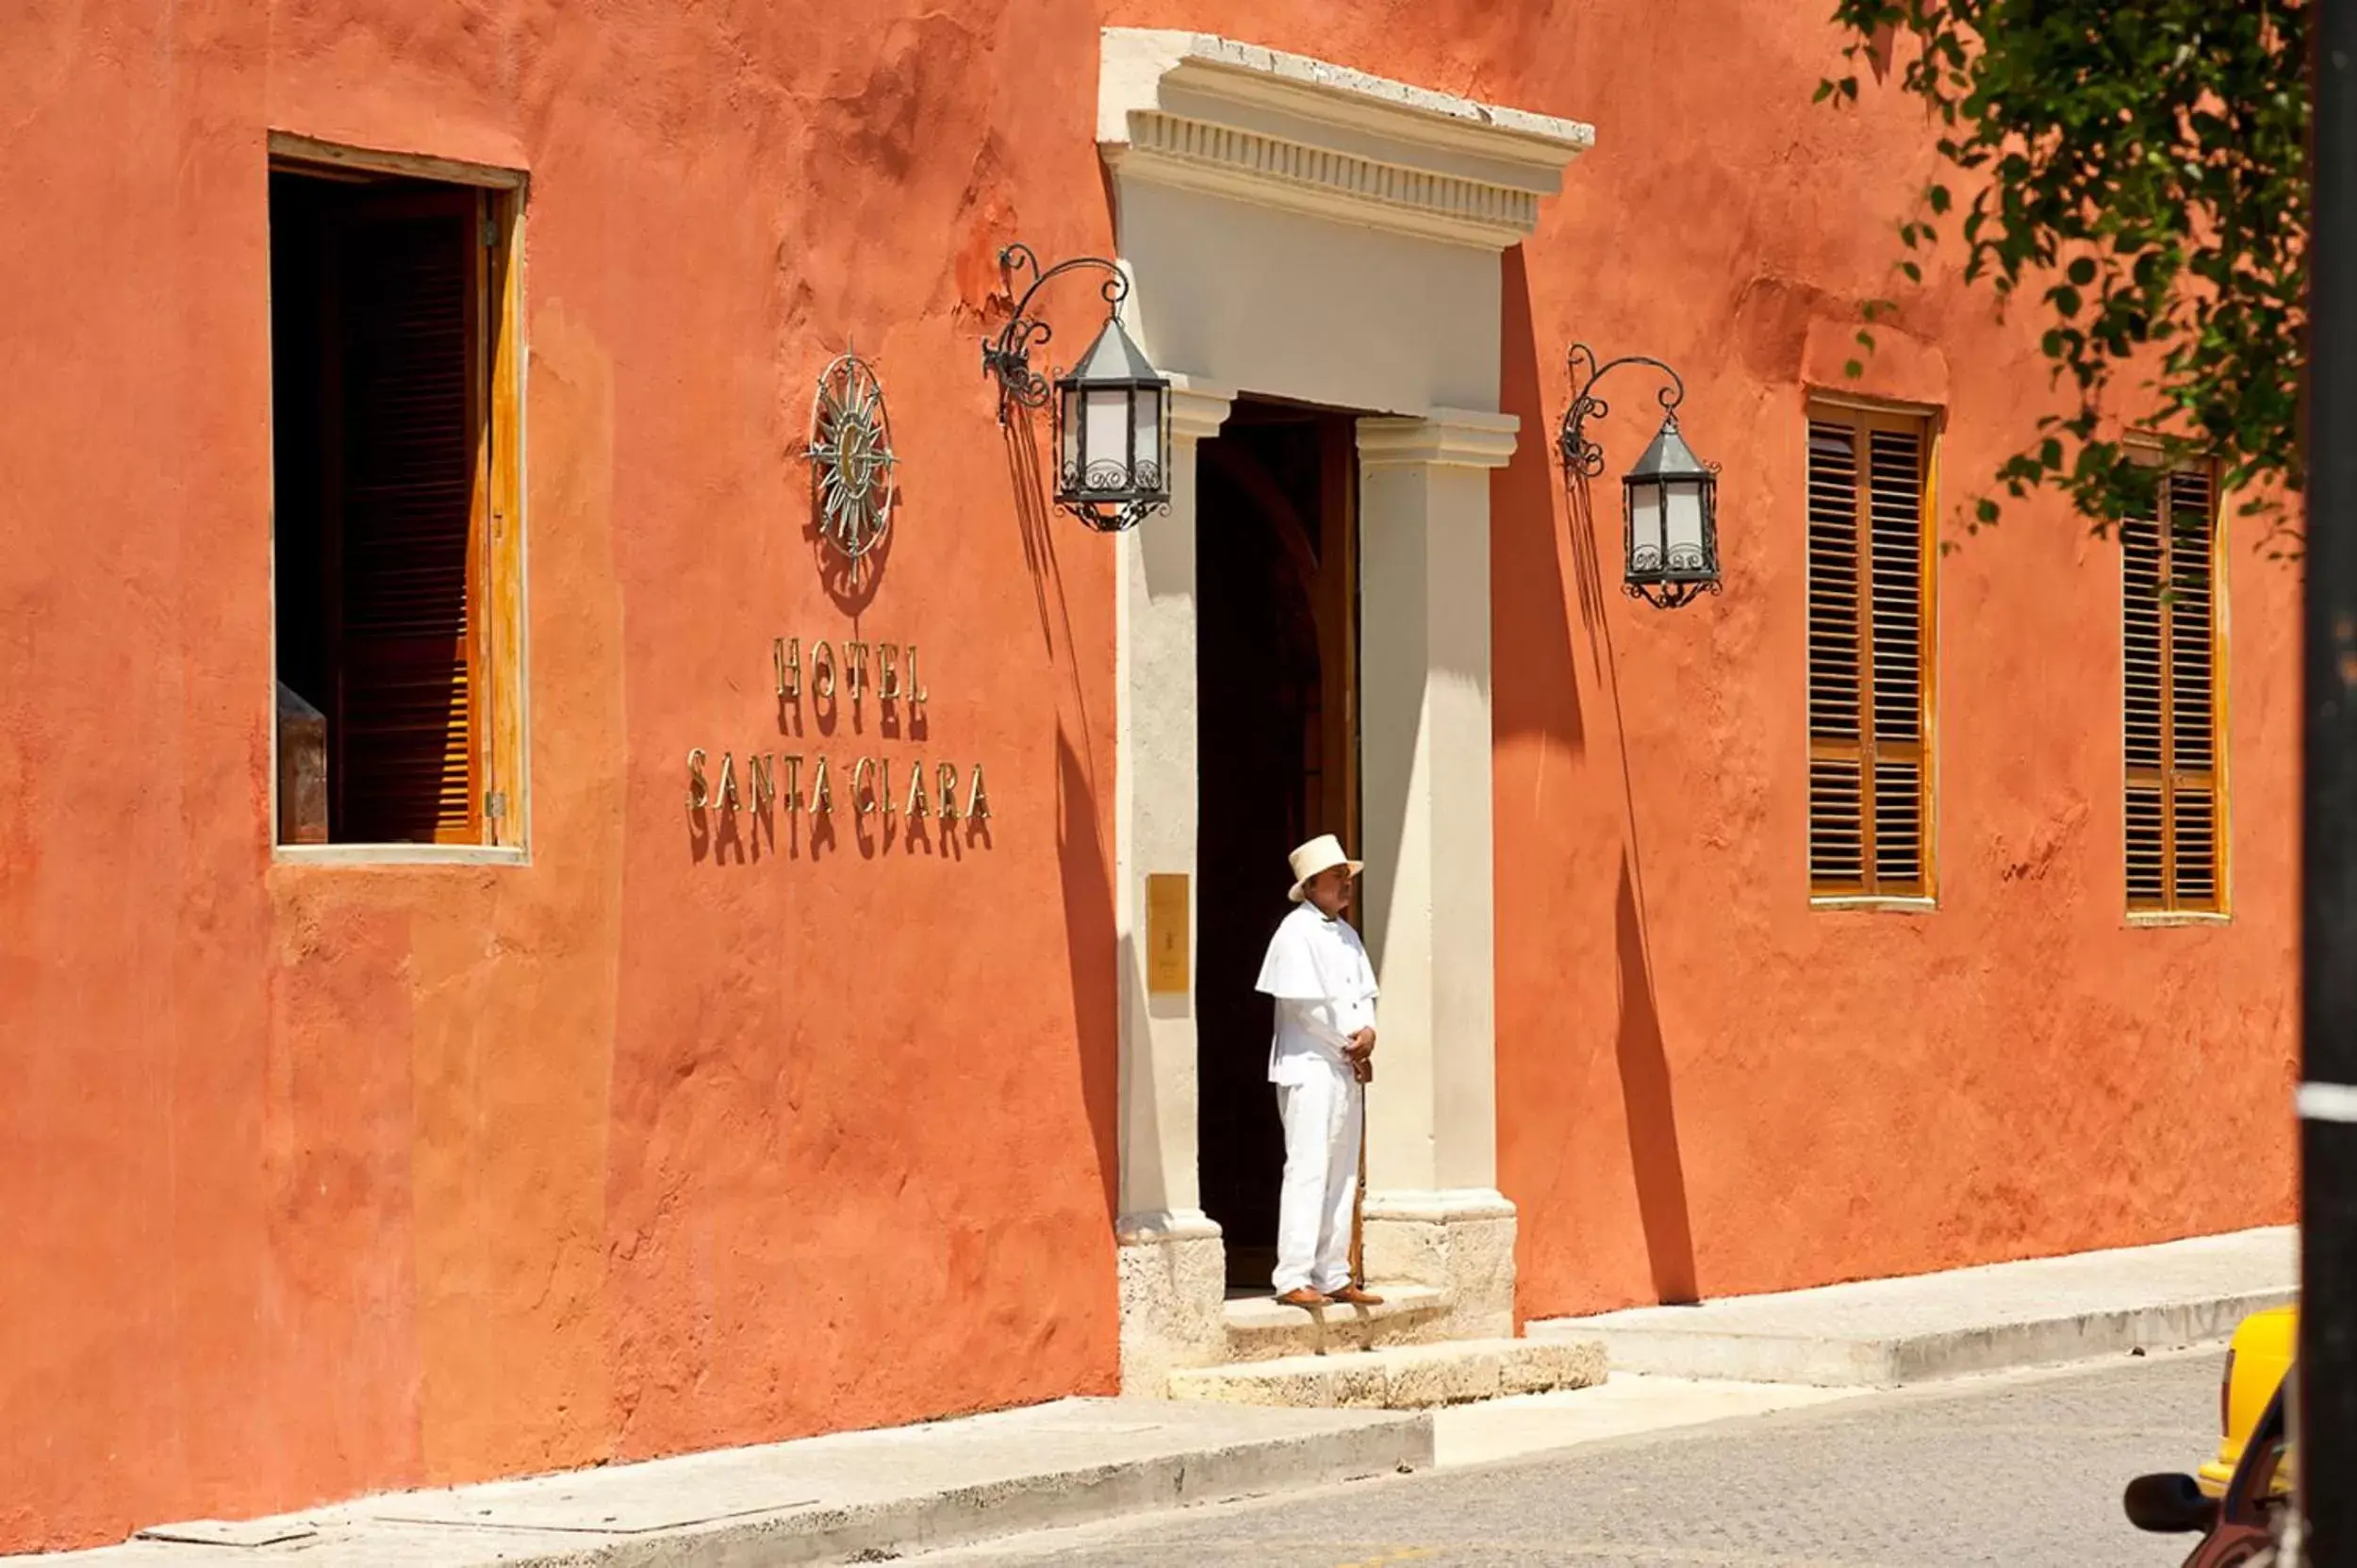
(1277, 668)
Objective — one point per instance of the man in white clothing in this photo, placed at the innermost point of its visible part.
(1319, 1060)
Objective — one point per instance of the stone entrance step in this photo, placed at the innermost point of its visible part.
(1258, 1330)
(1401, 1378)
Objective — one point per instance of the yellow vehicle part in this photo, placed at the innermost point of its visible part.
(2256, 1362)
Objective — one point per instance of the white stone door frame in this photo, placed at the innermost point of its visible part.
(1301, 230)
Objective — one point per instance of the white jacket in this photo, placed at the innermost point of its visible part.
(1317, 969)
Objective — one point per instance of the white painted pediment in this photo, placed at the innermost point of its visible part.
(1209, 114)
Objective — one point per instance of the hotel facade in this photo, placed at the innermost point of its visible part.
(543, 922)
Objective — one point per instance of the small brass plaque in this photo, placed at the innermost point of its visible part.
(1165, 934)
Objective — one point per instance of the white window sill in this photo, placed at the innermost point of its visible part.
(2180, 917)
(397, 855)
(1872, 904)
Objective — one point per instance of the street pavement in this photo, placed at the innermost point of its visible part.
(2023, 1470)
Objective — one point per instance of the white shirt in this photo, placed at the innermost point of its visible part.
(1317, 969)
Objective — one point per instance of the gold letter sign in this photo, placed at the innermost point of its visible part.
(887, 671)
(1165, 934)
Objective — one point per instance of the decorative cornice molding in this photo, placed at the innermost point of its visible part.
(1152, 1227)
(1247, 166)
(1446, 437)
(1198, 410)
(1206, 113)
(1452, 1206)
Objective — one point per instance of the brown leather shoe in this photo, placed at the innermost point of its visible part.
(1305, 1297)
(1351, 1296)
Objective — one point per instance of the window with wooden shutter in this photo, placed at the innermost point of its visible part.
(394, 468)
(2174, 816)
(1870, 655)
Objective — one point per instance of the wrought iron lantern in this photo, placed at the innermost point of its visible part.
(1670, 497)
(1111, 412)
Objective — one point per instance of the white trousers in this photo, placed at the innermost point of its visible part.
(1321, 1118)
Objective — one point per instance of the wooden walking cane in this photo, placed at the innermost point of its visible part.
(1359, 1195)
(1358, 1211)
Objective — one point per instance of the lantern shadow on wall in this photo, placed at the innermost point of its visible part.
(854, 480)
(1670, 506)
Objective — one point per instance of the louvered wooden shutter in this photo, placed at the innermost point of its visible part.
(2169, 626)
(407, 534)
(1867, 658)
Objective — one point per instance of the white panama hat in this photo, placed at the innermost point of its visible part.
(1322, 853)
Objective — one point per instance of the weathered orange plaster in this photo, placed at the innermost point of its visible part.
(320, 1179)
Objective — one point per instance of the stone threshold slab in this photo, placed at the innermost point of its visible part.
(1259, 1328)
(1890, 1332)
(1407, 1377)
(825, 1499)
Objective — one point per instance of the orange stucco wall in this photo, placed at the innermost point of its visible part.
(323, 1180)
(320, 1179)
(1712, 1089)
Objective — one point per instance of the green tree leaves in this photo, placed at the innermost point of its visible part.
(2140, 164)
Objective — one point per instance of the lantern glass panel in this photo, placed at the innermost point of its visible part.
(1644, 527)
(1105, 440)
(1068, 425)
(1145, 451)
(1682, 526)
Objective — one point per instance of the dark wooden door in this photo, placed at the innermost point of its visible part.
(1277, 693)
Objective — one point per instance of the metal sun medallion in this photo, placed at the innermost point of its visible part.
(851, 460)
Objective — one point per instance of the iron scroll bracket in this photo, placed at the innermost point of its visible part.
(1008, 356)
(1582, 454)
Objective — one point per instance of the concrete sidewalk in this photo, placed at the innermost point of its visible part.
(1886, 1332)
(867, 1496)
(860, 1496)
